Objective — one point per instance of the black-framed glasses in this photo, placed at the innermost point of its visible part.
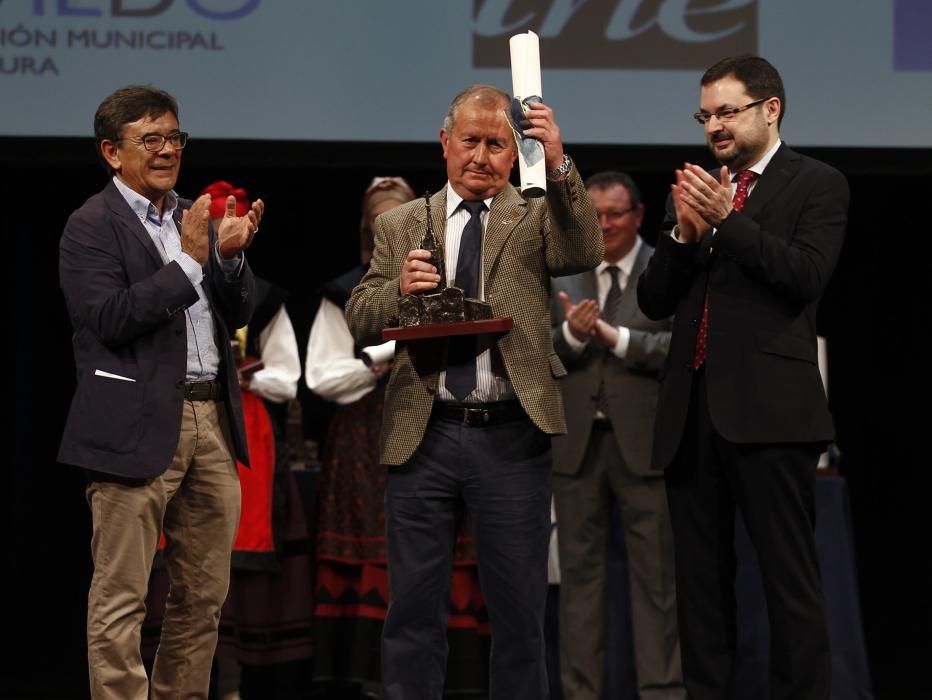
(156, 142)
(726, 115)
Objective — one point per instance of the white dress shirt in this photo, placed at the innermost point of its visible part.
(603, 282)
(489, 387)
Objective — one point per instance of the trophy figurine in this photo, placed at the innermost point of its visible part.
(429, 243)
(445, 304)
(445, 310)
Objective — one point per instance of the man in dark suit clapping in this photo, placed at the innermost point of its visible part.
(742, 417)
(154, 293)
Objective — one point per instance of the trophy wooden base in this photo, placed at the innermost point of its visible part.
(443, 330)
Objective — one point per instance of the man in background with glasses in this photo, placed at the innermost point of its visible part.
(154, 293)
(742, 416)
(614, 355)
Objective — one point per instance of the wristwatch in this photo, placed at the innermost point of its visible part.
(562, 170)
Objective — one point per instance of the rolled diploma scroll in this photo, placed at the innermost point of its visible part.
(525, 84)
(378, 354)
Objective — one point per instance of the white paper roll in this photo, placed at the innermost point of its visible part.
(525, 85)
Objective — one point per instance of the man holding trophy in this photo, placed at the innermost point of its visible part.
(468, 418)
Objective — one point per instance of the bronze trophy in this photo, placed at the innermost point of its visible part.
(445, 310)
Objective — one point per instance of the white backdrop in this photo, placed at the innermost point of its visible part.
(615, 71)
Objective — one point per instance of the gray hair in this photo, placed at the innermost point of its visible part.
(486, 95)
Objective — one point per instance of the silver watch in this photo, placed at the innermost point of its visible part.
(561, 170)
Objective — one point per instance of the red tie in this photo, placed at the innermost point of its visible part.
(745, 177)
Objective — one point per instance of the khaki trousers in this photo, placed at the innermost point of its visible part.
(196, 502)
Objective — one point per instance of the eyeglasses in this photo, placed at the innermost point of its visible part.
(615, 215)
(726, 115)
(156, 142)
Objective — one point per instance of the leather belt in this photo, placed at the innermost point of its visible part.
(479, 414)
(202, 391)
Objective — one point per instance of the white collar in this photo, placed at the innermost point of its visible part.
(626, 264)
(454, 200)
(760, 165)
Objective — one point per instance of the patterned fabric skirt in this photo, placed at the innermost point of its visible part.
(351, 591)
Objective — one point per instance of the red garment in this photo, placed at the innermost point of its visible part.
(255, 532)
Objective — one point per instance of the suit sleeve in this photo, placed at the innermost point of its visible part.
(669, 271)
(93, 278)
(796, 263)
(647, 351)
(375, 299)
(572, 236)
(234, 297)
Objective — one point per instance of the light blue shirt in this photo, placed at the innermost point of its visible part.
(203, 354)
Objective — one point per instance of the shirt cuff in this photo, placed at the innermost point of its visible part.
(575, 344)
(231, 268)
(191, 268)
(673, 235)
(621, 345)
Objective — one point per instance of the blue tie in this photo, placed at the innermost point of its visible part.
(462, 351)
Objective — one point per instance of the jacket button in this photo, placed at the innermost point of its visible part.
(694, 321)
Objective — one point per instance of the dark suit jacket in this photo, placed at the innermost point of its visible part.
(632, 383)
(127, 311)
(526, 241)
(766, 268)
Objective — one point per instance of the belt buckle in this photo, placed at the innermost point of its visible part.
(475, 416)
(200, 391)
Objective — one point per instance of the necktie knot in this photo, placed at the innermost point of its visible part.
(613, 271)
(473, 207)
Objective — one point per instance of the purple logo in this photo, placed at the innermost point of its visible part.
(912, 29)
(118, 8)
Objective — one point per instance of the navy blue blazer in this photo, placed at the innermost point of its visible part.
(127, 310)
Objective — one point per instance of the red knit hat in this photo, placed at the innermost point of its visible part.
(219, 191)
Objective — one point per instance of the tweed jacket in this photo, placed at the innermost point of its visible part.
(526, 242)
